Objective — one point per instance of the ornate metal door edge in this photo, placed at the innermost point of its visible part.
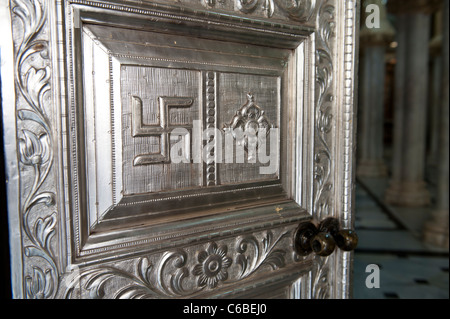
(11, 162)
(32, 205)
(336, 48)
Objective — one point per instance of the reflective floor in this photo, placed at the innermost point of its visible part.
(389, 237)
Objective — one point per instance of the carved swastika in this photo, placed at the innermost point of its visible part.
(162, 129)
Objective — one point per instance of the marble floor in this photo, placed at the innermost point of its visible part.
(389, 237)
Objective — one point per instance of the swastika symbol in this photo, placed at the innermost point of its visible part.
(162, 129)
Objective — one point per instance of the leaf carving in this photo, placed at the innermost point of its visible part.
(298, 10)
(37, 84)
(276, 259)
(269, 8)
(247, 6)
(263, 254)
(321, 281)
(149, 281)
(323, 162)
(180, 273)
(40, 285)
(32, 77)
(323, 157)
(32, 14)
(45, 230)
(144, 268)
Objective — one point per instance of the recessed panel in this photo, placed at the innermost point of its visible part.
(180, 123)
(148, 99)
(252, 103)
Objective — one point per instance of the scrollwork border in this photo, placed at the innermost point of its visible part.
(335, 114)
(38, 210)
(183, 272)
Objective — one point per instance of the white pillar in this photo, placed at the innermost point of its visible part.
(437, 229)
(407, 186)
(373, 43)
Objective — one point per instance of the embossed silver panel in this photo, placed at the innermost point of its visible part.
(114, 189)
(139, 87)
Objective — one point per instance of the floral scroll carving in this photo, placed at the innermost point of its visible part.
(321, 279)
(323, 162)
(296, 10)
(183, 272)
(35, 150)
(264, 253)
(323, 157)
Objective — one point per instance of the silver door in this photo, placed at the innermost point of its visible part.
(172, 149)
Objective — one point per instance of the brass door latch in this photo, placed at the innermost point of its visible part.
(323, 239)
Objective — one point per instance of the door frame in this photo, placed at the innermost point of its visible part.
(40, 222)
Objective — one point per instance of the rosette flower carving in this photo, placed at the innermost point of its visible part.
(212, 267)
